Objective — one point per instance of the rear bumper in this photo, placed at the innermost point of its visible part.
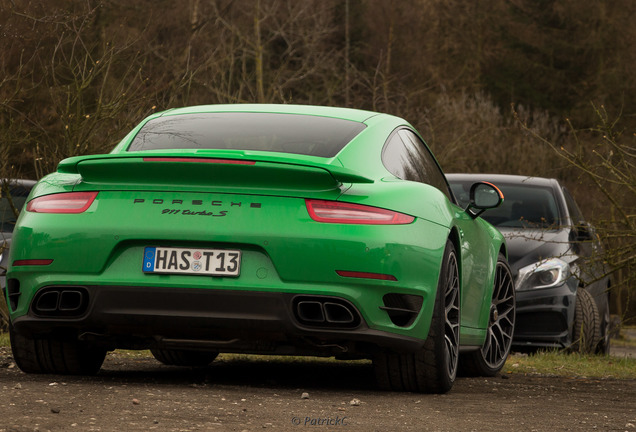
(221, 320)
(544, 317)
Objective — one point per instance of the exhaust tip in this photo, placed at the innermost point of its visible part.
(71, 300)
(47, 302)
(317, 311)
(310, 311)
(60, 302)
(337, 313)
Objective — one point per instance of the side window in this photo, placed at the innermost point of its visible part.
(408, 158)
(573, 209)
(395, 159)
(18, 195)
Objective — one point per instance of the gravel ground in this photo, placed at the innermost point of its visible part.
(136, 393)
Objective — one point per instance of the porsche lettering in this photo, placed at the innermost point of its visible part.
(214, 203)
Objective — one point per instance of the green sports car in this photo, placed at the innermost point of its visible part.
(269, 229)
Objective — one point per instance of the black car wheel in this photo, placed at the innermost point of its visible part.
(603, 346)
(55, 356)
(184, 357)
(433, 369)
(489, 360)
(587, 324)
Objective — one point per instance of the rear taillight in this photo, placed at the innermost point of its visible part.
(70, 202)
(35, 262)
(347, 213)
(366, 275)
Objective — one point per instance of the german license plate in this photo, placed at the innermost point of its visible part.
(210, 262)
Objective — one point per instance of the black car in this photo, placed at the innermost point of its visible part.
(561, 282)
(13, 194)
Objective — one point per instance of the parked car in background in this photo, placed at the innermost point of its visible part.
(556, 258)
(13, 194)
(271, 229)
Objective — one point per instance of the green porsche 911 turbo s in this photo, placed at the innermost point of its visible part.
(264, 229)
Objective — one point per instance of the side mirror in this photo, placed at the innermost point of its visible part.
(483, 196)
(583, 232)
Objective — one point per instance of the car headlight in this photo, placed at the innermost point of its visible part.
(546, 273)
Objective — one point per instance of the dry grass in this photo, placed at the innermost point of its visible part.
(554, 363)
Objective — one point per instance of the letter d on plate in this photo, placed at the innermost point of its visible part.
(149, 259)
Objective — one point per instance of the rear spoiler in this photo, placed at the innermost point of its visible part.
(218, 168)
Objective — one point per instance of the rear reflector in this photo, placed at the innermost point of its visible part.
(70, 202)
(366, 275)
(199, 160)
(25, 262)
(347, 213)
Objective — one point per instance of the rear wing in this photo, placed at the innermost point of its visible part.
(225, 170)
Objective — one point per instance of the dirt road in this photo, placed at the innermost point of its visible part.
(139, 394)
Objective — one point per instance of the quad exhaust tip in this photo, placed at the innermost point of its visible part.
(61, 301)
(326, 312)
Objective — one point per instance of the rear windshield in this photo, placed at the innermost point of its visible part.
(286, 133)
(524, 206)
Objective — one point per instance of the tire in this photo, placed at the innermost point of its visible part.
(492, 356)
(432, 369)
(55, 356)
(184, 357)
(587, 324)
(603, 346)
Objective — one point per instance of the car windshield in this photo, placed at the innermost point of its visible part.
(524, 206)
(286, 133)
(18, 196)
